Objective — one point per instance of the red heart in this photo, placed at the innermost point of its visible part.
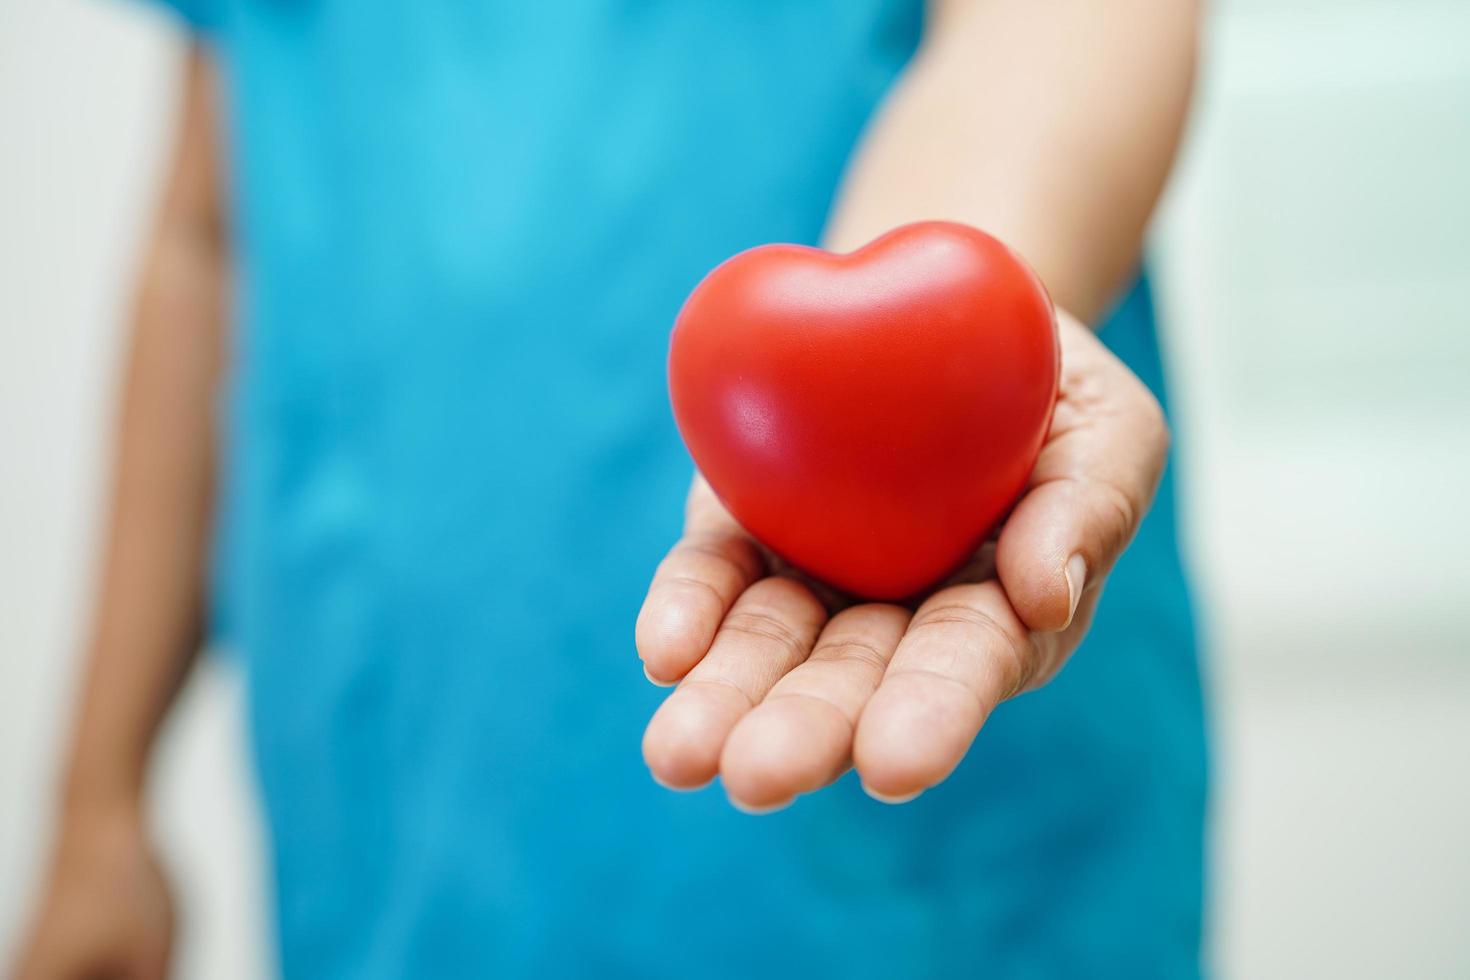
(868, 416)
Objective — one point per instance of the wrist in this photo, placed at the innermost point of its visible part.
(90, 830)
(93, 795)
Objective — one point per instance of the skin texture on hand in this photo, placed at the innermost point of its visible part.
(783, 685)
(107, 909)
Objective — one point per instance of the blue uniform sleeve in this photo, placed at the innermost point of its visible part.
(201, 15)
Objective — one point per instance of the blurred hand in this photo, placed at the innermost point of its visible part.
(107, 908)
(783, 685)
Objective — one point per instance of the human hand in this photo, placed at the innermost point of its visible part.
(107, 909)
(783, 685)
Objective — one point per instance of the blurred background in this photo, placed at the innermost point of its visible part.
(1314, 262)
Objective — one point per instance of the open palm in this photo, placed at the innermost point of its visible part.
(784, 685)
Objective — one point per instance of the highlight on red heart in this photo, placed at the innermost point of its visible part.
(870, 416)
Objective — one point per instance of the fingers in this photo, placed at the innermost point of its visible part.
(964, 652)
(799, 738)
(769, 630)
(1092, 484)
(693, 588)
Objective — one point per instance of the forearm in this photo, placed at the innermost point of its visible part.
(1051, 125)
(150, 605)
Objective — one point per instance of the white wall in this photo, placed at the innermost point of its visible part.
(1315, 258)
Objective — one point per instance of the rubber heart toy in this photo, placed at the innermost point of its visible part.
(869, 417)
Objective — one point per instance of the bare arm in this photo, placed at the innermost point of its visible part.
(149, 614)
(106, 908)
(1050, 125)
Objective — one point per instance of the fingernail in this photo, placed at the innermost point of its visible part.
(1076, 572)
(757, 811)
(891, 800)
(654, 680)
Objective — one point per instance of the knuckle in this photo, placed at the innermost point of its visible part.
(856, 651)
(954, 614)
(1005, 653)
(691, 583)
(821, 703)
(1118, 515)
(969, 695)
(763, 627)
(727, 558)
(720, 684)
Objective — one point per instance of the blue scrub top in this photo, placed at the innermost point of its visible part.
(463, 230)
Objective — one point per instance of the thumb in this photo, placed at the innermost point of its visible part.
(1093, 483)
